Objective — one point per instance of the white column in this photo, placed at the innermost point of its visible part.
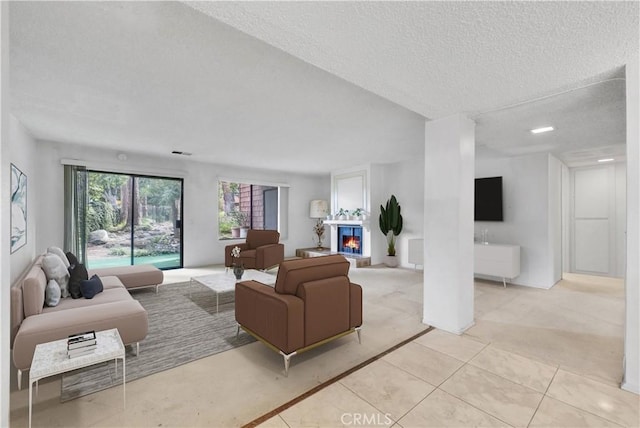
(631, 379)
(5, 308)
(448, 223)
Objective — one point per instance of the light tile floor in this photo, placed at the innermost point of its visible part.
(536, 358)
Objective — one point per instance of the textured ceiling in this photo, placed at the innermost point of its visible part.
(159, 76)
(286, 85)
(440, 58)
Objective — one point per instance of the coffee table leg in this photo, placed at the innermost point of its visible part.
(30, 400)
(124, 382)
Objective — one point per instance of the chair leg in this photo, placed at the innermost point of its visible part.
(238, 331)
(358, 332)
(287, 360)
(19, 379)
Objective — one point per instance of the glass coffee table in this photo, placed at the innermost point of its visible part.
(51, 359)
(225, 282)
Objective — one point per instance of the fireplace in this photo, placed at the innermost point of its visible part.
(350, 239)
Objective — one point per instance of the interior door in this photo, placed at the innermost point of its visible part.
(271, 209)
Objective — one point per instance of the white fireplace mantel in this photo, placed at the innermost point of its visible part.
(336, 223)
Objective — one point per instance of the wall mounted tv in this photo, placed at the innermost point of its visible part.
(488, 199)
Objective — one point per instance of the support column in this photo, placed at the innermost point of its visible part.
(631, 378)
(448, 223)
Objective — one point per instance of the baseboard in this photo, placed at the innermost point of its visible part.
(457, 331)
(631, 387)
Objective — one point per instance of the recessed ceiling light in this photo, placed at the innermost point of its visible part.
(539, 130)
(606, 160)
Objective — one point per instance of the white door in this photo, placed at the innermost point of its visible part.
(597, 220)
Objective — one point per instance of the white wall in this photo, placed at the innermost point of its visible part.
(555, 217)
(200, 223)
(526, 205)
(22, 153)
(405, 180)
(5, 283)
(631, 378)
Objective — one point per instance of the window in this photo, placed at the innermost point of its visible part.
(124, 219)
(244, 206)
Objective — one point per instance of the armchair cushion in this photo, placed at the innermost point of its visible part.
(326, 308)
(291, 275)
(258, 238)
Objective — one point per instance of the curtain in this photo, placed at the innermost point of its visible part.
(75, 209)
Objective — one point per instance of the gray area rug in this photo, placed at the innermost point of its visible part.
(183, 327)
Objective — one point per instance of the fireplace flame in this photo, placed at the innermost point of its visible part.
(352, 243)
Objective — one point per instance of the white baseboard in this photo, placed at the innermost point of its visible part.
(631, 387)
(449, 329)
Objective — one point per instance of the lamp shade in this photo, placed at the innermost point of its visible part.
(318, 208)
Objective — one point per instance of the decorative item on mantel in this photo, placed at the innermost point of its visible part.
(318, 209)
(238, 268)
(391, 226)
(343, 214)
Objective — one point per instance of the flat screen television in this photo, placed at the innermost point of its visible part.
(488, 199)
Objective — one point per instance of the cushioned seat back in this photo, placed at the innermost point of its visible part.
(292, 273)
(27, 295)
(258, 238)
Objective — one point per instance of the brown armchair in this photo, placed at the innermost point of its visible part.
(312, 302)
(261, 250)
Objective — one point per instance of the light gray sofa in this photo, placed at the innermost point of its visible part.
(32, 322)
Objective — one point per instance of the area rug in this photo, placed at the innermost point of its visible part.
(183, 327)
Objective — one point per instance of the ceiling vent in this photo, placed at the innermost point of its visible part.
(177, 152)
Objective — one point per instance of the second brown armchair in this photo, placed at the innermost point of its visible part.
(262, 250)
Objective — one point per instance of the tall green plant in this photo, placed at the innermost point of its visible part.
(391, 223)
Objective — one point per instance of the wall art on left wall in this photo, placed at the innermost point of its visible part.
(18, 208)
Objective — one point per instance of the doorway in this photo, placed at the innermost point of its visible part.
(133, 219)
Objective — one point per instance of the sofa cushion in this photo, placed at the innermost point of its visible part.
(78, 274)
(129, 317)
(90, 287)
(292, 273)
(109, 295)
(133, 276)
(258, 238)
(58, 252)
(52, 293)
(73, 260)
(33, 289)
(54, 268)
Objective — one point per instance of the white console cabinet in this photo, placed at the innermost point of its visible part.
(416, 252)
(497, 260)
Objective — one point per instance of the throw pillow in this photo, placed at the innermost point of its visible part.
(52, 293)
(78, 274)
(91, 287)
(58, 252)
(54, 268)
(73, 260)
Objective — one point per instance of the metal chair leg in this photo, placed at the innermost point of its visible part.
(19, 379)
(358, 332)
(287, 360)
(238, 331)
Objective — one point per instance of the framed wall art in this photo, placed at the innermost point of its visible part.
(18, 208)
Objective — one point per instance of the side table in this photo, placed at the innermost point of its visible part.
(51, 358)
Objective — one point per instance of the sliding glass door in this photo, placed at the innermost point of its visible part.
(133, 219)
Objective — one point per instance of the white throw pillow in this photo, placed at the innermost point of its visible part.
(52, 293)
(54, 268)
(58, 252)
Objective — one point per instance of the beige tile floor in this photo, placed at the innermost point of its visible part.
(534, 358)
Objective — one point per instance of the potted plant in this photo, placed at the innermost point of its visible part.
(357, 214)
(391, 226)
(343, 214)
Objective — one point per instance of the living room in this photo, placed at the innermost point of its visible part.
(356, 131)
